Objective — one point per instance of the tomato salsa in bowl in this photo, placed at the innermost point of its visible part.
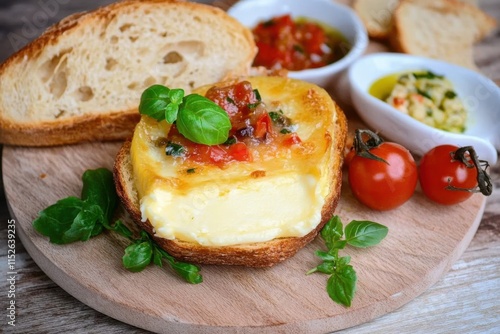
(315, 40)
(297, 44)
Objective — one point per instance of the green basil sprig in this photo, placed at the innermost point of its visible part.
(198, 118)
(341, 285)
(78, 219)
(73, 219)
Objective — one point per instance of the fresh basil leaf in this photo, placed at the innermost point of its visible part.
(332, 231)
(138, 256)
(364, 233)
(339, 244)
(326, 256)
(56, 219)
(341, 285)
(121, 229)
(176, 95)
(203, 121)
(99, 188)
(154, 101)
(188, 271)
(326, 267)
(343, 261)
(84, 223)
(157, 257)
(98, 228)
(171, 111)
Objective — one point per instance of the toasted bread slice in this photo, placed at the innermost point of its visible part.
(265, 210)
(441, 29)
(82, 79)
(377, 15)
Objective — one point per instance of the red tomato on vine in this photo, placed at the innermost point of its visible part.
(450, 175)
(382, 175)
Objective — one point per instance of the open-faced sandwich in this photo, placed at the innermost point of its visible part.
(253, 198)
(256, 198)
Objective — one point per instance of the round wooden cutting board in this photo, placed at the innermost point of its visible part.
(424, 240)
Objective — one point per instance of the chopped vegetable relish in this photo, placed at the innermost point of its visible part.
(254, 128)
(284, 43)
(430, 99)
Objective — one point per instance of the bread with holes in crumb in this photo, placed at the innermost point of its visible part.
(82, 79)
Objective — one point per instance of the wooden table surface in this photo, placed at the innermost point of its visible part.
(465, 300)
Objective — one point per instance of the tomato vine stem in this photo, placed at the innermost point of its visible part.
(362, 147)
(468, 156)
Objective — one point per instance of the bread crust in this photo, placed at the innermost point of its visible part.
(262, 254)
(108, 127)
(91, 126)
(402, 37)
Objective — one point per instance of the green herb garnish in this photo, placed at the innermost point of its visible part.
(252, 106)
(78, 219)
(424, 94)
(143, 251)
(427, 75)
(230, 141)
(450, 94)
(341, 285)
(298, 48)
(257, 95)
(198, 118)
(279, 118)
(175, 150)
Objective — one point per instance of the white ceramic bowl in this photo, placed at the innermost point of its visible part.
(480, 95)
(343, 18)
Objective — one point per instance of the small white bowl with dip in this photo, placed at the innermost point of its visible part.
(334, 15)
(480, 96)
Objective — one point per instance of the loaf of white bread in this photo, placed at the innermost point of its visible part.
(82, 79)
(440, 29)
(252, 213)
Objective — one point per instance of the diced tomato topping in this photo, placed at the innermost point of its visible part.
(237, 100)
(263, 126)
(252, 128)
(291, 139)
(240, 152)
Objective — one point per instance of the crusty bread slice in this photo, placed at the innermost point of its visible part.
(441, 29)
(377, 15)
(82, 79)
(255, 254)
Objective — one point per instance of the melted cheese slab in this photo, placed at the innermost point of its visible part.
(280, 193)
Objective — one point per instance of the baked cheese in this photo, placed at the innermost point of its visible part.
(280, 193)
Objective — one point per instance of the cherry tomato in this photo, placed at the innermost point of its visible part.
(445, 179)
(383, 185)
